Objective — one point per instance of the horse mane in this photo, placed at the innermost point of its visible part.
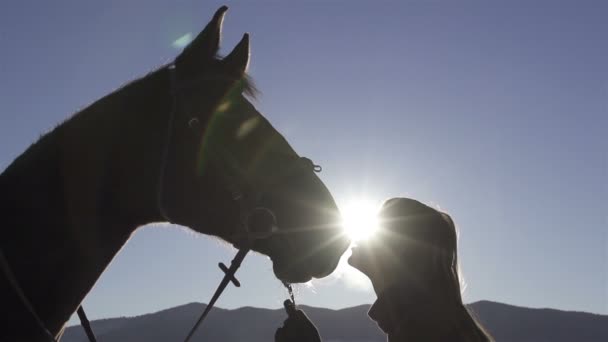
(126, 92)
(48, 142)
(249, 87)
(44, 160)
(247, 83)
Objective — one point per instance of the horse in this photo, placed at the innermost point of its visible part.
(183, 144)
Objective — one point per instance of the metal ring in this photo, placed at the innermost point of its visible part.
(317, 168)
(193, 122)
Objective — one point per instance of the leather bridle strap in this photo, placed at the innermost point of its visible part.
(86, 325)
(165, 150)
(6, 269)
(10, 276)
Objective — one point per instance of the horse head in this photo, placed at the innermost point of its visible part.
(224, 159)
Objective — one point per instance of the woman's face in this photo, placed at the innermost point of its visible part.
(377, 260)
(386, 257)
(361, 258)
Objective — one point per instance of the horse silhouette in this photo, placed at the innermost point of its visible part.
(182, 144)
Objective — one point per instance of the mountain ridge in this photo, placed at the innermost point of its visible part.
(505, 322)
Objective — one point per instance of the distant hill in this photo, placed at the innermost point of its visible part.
(505, 322)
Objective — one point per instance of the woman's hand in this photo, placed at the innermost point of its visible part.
(297, 327)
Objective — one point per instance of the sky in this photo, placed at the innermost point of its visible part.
(496, 112)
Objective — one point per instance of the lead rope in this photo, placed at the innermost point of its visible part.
(290, 291)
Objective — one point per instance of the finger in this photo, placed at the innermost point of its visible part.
(290, 307)
(279, 335)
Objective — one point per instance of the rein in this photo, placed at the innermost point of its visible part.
(8, 272)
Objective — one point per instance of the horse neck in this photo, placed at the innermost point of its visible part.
(72, 200)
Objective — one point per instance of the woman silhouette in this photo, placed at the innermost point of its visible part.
(412, 263)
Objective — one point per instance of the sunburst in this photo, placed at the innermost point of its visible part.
(359, 219)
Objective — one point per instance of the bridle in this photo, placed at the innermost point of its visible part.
(256, 221)
(238, 193)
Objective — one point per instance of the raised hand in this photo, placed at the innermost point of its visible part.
(297, 327)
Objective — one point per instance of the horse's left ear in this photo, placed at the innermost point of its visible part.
(238, 59)
(205, 46)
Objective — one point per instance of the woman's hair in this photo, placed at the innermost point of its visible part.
(415, 230)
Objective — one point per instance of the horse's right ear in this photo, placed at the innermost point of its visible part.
(205, 46)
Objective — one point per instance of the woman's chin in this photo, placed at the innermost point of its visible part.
(355, 259)
(350, 261)
(360, 260)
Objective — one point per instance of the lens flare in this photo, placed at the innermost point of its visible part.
(359, 219)
(182, 41)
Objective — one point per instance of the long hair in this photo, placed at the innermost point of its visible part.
(429, 238)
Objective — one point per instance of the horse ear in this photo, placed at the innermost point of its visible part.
(205, 46)
(238, 59)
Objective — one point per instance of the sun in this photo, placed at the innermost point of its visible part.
(359, 219)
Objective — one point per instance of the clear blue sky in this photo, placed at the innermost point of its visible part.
(496, 112)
